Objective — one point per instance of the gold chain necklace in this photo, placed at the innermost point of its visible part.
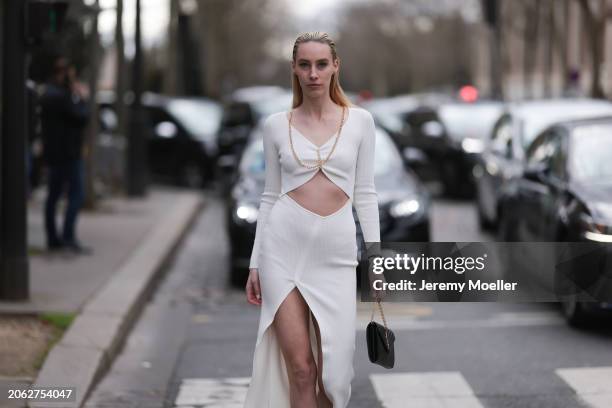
(318, 163)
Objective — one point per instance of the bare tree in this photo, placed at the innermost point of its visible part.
(120, 81)
(239, 43)
(383, 43)
(92, 130)
(596, 14)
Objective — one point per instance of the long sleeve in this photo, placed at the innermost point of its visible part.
(271, 191)
(365, 197)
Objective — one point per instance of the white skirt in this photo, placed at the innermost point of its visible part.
(318, 255)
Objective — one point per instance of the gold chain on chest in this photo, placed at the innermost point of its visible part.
(318, 162)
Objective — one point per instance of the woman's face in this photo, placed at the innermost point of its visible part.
(314, 67)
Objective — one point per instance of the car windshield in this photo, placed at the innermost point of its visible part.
(387, 158)
(389, 112)
(278, 103)
(386, 161)
(469, 121)
(591, 153)
(536, 119)
(201, 118)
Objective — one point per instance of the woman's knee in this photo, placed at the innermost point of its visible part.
(303, 371)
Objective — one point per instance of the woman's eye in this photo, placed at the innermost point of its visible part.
(323, 64)
(303, 65)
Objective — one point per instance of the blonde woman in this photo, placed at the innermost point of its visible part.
(319, 159)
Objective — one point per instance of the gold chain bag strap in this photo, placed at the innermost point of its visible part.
(380, 340)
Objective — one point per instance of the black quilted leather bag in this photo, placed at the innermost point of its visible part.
(380, 341)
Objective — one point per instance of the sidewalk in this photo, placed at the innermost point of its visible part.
(63, 282)
(131, 240)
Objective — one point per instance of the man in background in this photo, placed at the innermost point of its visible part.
(64, 116)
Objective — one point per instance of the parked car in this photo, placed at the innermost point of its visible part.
(467, 126)
(565, 194)
(411, 120)
(228, 161)
(417, 129)
(504, 152)
(182, 144)
(241, 113)
(403, 202)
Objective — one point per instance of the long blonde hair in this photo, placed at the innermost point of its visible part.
(335, 90)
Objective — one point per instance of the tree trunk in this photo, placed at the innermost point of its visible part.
(549, 63)
(596, 21)
(531, 40)
(93, 127)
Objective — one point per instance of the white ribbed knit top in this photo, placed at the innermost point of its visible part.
(350, 167)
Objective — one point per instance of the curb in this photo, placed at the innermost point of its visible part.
(94, 339)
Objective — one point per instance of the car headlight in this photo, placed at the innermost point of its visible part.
(594, 231)
(247, 213)
(404, 208)
(471, 145)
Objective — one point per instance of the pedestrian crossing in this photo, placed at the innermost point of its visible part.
(593, 385)
(436, 389)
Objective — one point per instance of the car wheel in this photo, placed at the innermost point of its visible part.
(191, 175)
(574, 311)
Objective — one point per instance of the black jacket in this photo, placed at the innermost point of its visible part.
(63, 120)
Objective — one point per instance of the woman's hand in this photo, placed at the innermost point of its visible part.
(253, 291)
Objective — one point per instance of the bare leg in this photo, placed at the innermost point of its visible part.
(293, 332)
(322, 399)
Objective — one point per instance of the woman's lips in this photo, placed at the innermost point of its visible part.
(314, 85)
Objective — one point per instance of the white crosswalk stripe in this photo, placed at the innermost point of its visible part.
(424, 390)
(212, 392)
(593, 385)
(437, 389)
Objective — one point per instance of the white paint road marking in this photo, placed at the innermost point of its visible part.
(593, 385)
(441, 389)
(438, 389)
(212, 392)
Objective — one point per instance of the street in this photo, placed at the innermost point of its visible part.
(193, 344)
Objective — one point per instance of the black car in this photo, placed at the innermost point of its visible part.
(229, 158)
(241, 112)
(182, 143)
(467, 126)
(403, 202)
(411, 120)
(563, 195)
(503, 156)
(418, 130)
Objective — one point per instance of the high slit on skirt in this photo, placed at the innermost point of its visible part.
(317, 254)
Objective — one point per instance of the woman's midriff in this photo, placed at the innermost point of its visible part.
(319, 195)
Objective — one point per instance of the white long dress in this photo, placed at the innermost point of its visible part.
(297, 248)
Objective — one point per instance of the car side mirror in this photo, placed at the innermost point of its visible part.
(536, 171)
